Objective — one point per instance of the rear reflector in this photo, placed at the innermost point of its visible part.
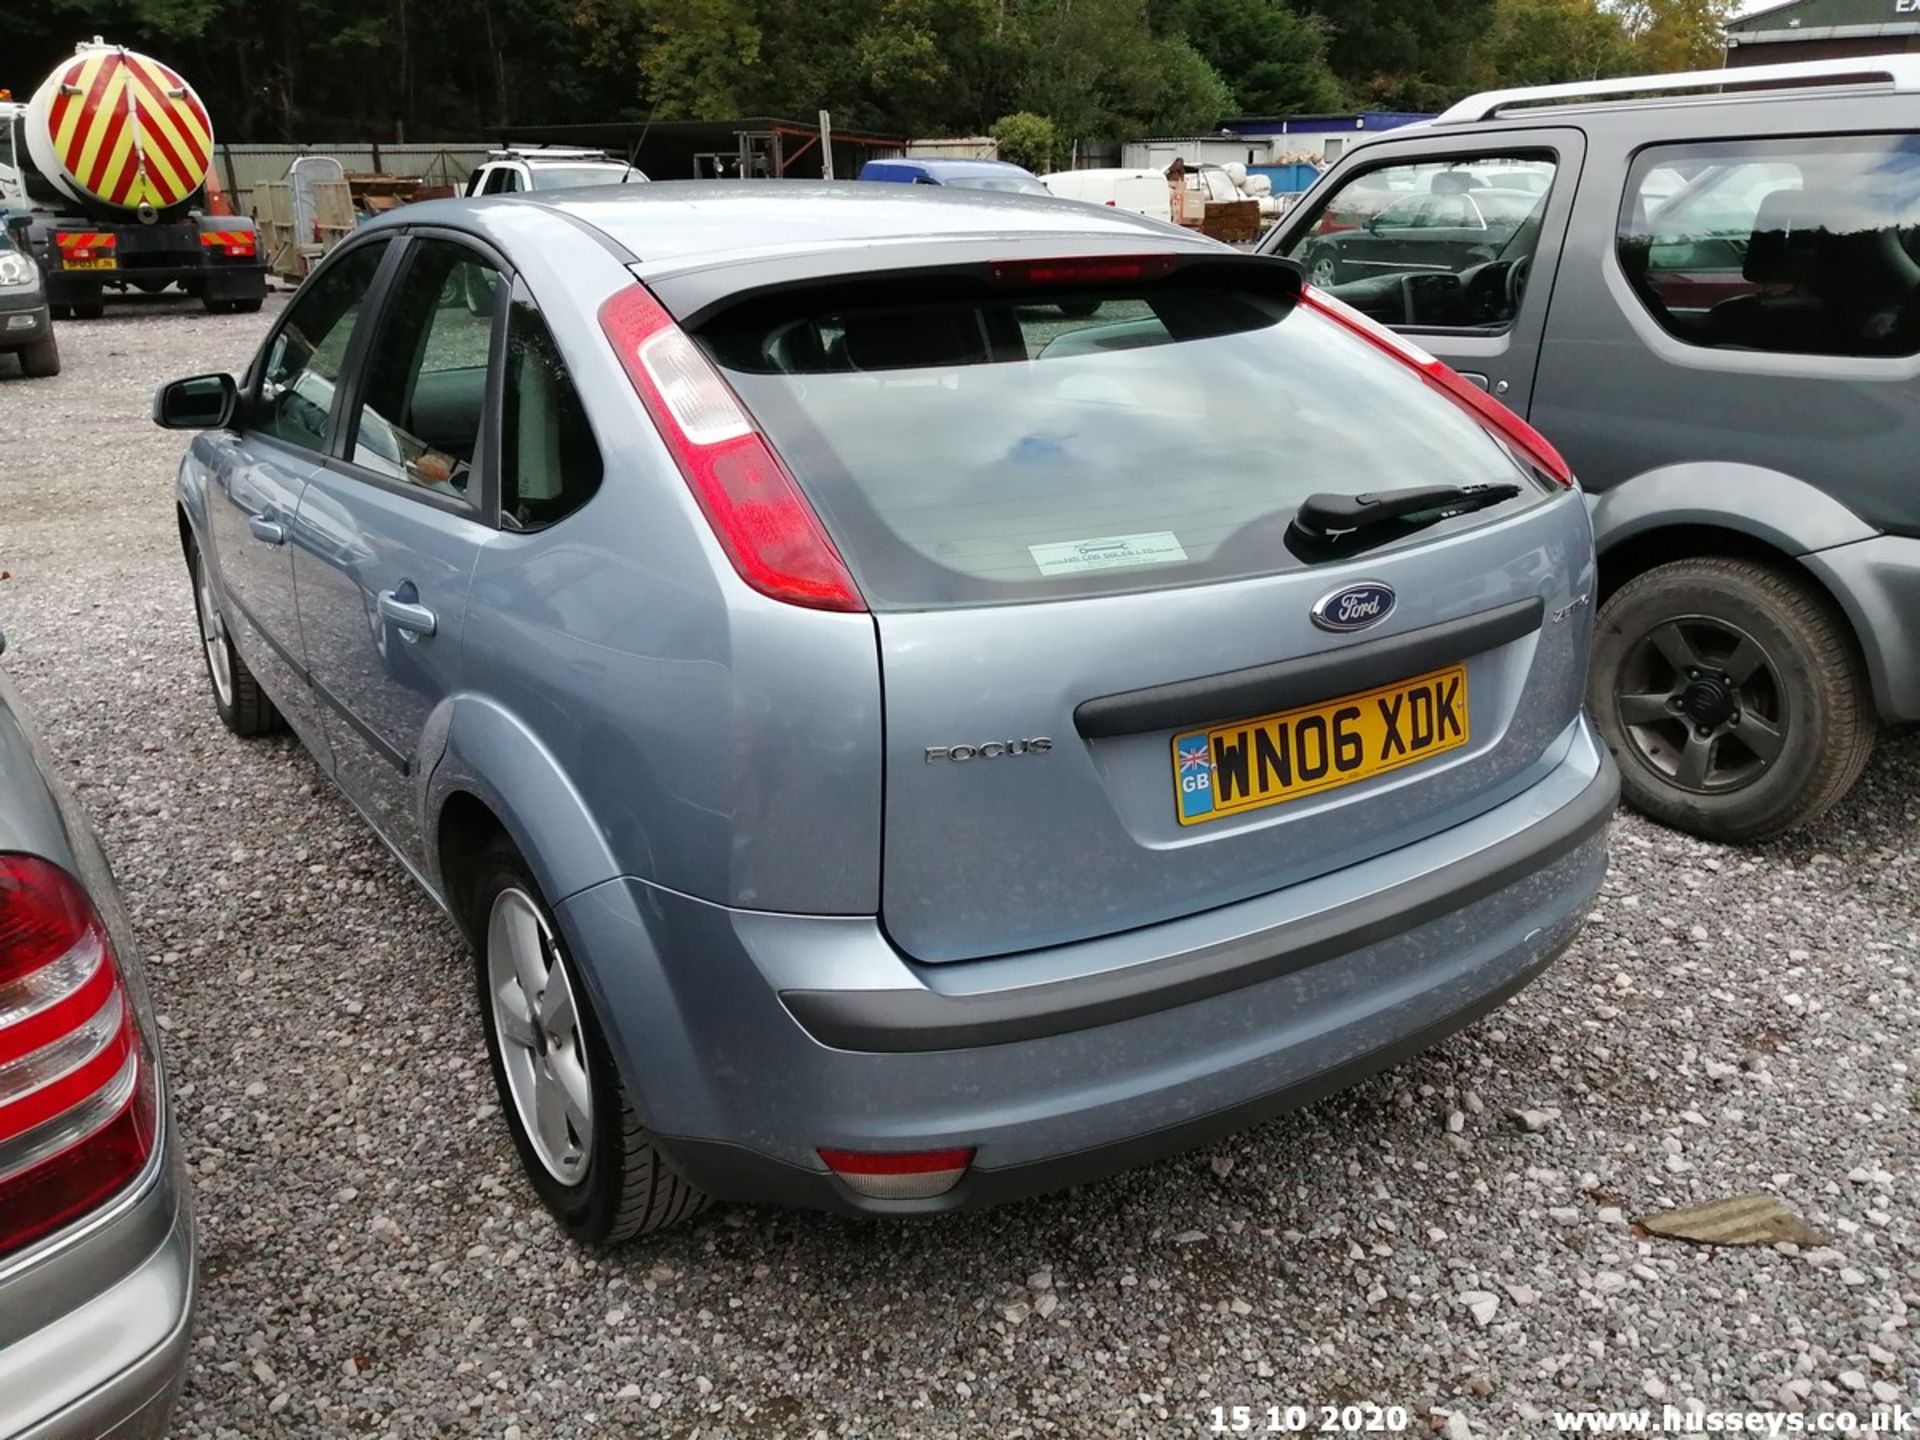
(1079, 269)
(77, 1094)
(912, 1175)
(1464, 393)
(754, 505)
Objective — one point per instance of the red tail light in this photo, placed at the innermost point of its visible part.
(77, 1094)
(1468, 396)
(1080, 269)
(898, 1175)
(757, 511)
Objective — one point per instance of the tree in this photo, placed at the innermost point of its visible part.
(1272, 58)
(1671, 35)
(1545, 42)
(1026, 139)
(1404, 54)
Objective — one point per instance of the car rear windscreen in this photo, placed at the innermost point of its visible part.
(970, 451)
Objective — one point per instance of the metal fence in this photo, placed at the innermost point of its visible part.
(242, 167)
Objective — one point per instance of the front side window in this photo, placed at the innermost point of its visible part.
(1805, 246)
(419, 418)
(549, 463)
(300, 377)
(1438, 243)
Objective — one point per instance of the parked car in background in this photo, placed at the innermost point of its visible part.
(1445, 231)
(548, 167)
(1138, 191)
(893, 837)
(96, 1233)
(26, 324)
(1715, 313)
(1000, 175)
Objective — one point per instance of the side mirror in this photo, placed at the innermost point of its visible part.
(20, 227)
(203, 402)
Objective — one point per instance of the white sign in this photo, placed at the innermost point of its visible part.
(1108, 552)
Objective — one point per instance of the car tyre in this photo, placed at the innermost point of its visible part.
(1323, 269)
(1079, 309)
(41, 359)
(243, 706)
(1733, 697)
(581, 1142)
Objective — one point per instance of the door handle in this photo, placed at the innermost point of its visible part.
(411, 620)
(1473, 378)
(270, 531)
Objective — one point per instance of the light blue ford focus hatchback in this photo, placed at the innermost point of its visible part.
(916, 697)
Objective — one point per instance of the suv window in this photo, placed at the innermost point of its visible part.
(503, 180)
(549, 463)
(299, 382)
(1804, 246)
(419, 418)
(1437, 243)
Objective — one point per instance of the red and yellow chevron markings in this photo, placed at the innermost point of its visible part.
(129, 130)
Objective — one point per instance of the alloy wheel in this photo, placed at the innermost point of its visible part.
(213, 635)
(1702, 704)
(538, 1025)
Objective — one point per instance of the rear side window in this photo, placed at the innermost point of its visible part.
(1802, 246)
(549, 464)
(978, 451)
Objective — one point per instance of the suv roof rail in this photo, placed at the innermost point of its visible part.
(1900, 73)
(549, 152)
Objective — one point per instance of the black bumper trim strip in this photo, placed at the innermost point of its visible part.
(1265, 689)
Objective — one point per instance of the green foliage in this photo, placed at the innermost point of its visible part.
(1095, 70)
(1026, 139)
(1546, 42)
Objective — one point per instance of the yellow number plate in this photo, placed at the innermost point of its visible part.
(1233, 768)
(108, 263)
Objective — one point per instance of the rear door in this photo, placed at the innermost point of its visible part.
(391, 527)
(259, 472)
(1109, 701)
(1480, 306)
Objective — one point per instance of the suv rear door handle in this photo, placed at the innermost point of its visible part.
(271, 531)
(409, 619)
(1474, 378)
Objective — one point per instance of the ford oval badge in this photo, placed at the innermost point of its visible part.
(1354, 607)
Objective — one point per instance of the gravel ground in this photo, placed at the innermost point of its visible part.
(1731, 1022)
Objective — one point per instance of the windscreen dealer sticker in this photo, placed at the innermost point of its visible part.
(1109, 552)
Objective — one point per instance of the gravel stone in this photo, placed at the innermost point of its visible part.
(1782, 1049)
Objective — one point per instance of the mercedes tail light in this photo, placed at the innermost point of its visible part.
(77, 1090)
(758, 513)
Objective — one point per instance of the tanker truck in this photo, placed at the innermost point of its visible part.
(103, 175)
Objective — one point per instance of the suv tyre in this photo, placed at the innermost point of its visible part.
(1733, 697)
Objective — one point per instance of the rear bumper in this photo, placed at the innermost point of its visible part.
(108, 1367)
(751, 1039)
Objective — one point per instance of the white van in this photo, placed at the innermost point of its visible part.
(1143, 191)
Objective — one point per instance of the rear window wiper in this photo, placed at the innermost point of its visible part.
(1326, 519)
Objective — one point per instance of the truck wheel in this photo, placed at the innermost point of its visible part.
(1733, 697)
(41, 359)
(89, 309)
(249, 306)
(60, 312)
(217, 307)
(580, 1140)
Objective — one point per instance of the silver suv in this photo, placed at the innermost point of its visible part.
(1712, 307)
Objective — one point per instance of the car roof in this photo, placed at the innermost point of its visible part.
(683, 224)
